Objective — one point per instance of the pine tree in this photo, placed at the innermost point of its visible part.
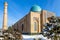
(52, 29)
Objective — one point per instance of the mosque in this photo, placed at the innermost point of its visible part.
(32, 23)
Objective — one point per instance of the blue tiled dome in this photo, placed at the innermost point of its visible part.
(35, 8)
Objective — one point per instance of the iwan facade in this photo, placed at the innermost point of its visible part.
(33, 22)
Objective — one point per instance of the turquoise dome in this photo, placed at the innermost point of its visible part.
(35, 8)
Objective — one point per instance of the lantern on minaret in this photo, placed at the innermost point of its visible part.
(5, 16)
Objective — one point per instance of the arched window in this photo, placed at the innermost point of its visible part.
(35, 26)
(22, 27)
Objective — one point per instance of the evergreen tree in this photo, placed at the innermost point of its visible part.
(52, 29)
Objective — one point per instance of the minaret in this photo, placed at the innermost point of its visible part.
(5, 17)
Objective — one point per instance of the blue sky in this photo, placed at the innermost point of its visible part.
(19, 8)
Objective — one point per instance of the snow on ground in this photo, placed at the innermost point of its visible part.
(31, 37)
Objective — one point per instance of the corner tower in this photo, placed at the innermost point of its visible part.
(5, 16)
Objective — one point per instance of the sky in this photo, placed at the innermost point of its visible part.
(19, 8)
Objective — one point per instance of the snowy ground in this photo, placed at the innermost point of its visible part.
(31, 37)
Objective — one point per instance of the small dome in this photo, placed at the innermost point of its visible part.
(35, 8)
